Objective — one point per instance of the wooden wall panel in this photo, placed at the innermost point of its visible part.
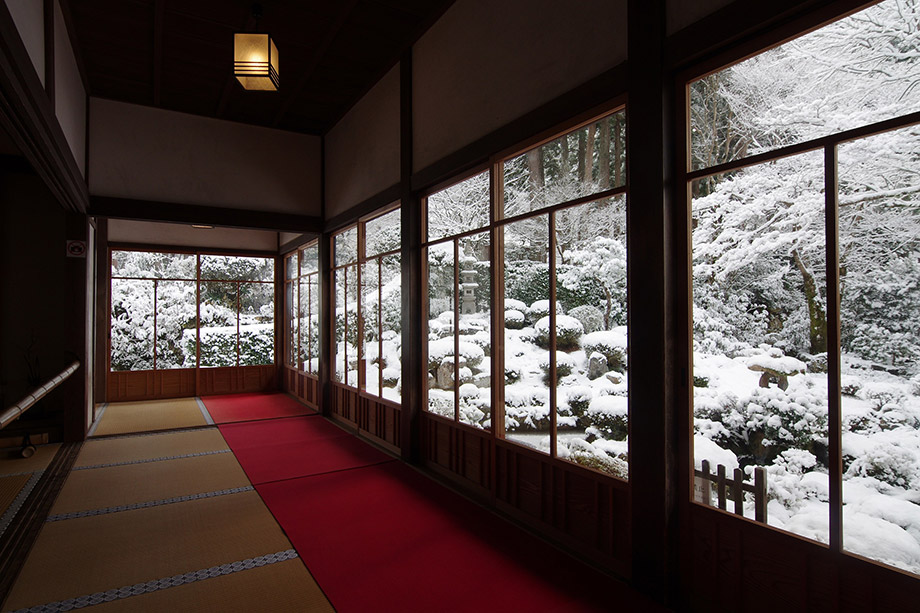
(374, 418)
(585, 511)
(150, 384)
(299, 384)
(236, 379)
(739, 565)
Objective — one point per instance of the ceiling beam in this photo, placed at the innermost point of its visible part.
(289, 94)
(158, 8)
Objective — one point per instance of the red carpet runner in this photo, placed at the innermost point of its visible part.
(246, 407)
(378, 536)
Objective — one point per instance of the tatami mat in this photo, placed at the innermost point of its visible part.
(285, 586)
(81, 556)
(151, 415)
(12, 462)
(114, 486)
(9, 488)
(150, 446)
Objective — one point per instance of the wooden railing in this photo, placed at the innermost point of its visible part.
(732, 489)
(12, 413)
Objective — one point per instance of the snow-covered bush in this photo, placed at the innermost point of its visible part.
(592, 455)
(590, 317)
(540, 309)
(609, 416)
(889, 463)
(568, 332)
(578, 398)
(564, 366)
(471, 354)
(514, 319)
(609, 343)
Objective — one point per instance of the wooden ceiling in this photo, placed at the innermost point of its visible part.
(178, 54)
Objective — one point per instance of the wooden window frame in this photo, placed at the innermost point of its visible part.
(198, 280)
(495, 228)
(686, 175)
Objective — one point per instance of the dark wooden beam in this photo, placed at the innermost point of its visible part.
(147, 210)
(158, 10)
(653, 455)
(288, 95)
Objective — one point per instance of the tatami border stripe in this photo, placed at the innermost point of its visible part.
(160, 459)
(19, 500)
(156, 585)
(148, 504)
(204, 411)
(110, 437)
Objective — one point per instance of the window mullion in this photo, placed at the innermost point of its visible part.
(835, 460)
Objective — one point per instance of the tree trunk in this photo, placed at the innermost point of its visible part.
(589, 155)
(565, 157)
(603, 155)
(617, 150)
(609, 308)
(581, 154)
(535, 170)
(817, 318)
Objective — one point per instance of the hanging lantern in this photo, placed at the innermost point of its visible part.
(255, 61)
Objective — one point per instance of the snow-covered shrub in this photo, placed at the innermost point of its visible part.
(564, 366)
(471, 354)
(540, 309)
(578, 398)
(817, 363)
(512, 374)
(609, 416)
(889, 463)
(218, 345)
(787, 482)
(590, 317)
(881, 395)
(611, 344)
(568, 332)
(514, 319)
(526, 280)
(593, 456)
(515, 305)
(849, 385)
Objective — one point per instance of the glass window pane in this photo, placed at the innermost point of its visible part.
(257, 324)
(879, 199)
(382, 234)
(150, 265)
(236, 268)
(475, 331)
(132, 325)
(309, 259)
(219, 330)
(582, 162)
(459, 208)
(391, 326)
(291, 324)
(441, 384)
(858, 70)
(339, 357)
(370, 303)
(177, 318)
(526, 273)
(312, 361)
(346, 247)
(759, 336)
(592, 392)
(291, 267)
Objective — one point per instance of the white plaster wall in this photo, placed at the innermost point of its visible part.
(486, 63)
(184, 235)
(69, 94)
(29, 15)
(362, 150)
(153, 154)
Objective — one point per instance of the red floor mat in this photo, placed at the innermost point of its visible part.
(279, 431)
(384, 538)
(303, 446)
(246, 407)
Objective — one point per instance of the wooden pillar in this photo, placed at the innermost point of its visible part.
(103, 273)
(74, 395)
(411, 263)
(652, 380)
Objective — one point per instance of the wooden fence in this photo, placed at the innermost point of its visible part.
(731, 489)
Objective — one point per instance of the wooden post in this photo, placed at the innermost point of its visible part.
(738, 491)
(720, 487)
(760, 494)
(706, 484)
